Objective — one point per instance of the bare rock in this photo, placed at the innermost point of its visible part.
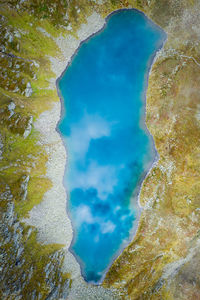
(11, 108)
(24, 186)
(28, 127)
(28, 90)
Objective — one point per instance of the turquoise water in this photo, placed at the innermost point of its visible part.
(103, 128)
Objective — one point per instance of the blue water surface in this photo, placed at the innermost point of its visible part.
(103, 128)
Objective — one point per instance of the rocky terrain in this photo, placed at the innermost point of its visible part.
(162, 260)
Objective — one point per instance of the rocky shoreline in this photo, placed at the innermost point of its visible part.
(160, 262)
(50, 217)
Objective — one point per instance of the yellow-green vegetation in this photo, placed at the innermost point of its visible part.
(37, 261)
(24, 59)
(170, 195)
(28, 32)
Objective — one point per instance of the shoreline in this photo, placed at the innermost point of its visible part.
(59, 66)
(50, 217)
(155, 155)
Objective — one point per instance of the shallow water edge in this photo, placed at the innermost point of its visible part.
(148, 167)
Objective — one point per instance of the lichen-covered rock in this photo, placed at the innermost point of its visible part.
(19, 272)
(11, 108)
(28, 127)
(28, 90)
(15, 121)
(170, 195)
(1, 148)
(24, 186)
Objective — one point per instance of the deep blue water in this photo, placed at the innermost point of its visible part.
(103, 128)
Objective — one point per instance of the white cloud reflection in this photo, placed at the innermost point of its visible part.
(84, 215)
(107, 227)
(89, 128)
(101, 178)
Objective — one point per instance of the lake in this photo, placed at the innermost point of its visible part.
(108, 146)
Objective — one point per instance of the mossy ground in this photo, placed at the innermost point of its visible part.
(170, 193)
(24, 59)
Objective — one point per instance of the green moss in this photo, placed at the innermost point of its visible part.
(36, 189)
(171, 109)
(170, 191)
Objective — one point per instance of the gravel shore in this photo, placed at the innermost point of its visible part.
(50, 216)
